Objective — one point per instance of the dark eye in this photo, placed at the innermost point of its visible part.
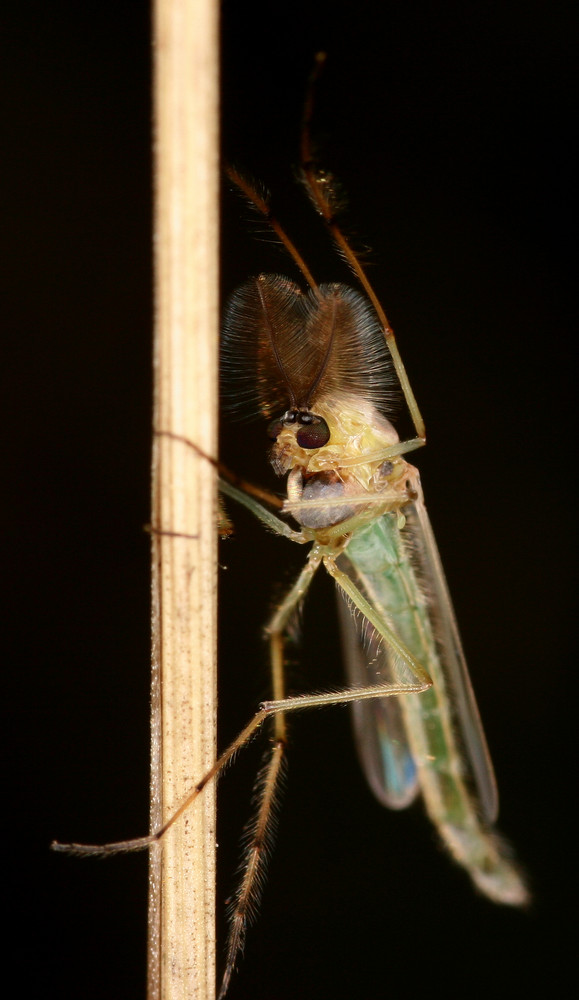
(314, 435)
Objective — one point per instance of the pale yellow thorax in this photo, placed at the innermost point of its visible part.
(367, 481)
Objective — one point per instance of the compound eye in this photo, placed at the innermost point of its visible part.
(274, 429)
(313, 435)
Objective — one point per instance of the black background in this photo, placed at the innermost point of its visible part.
(450, 128)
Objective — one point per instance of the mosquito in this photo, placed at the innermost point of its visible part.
(320, 362)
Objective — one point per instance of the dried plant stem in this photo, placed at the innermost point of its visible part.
(181, 915)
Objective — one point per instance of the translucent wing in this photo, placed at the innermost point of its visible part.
(465, 709)
(381, 727)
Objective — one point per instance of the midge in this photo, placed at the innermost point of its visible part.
(320, 363)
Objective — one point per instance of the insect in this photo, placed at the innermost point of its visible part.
(319, 363)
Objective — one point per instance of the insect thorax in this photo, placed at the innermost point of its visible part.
(349, 478)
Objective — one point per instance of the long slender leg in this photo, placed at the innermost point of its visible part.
(262, 205)
(270, 520)
(280, 704)
(259, 833)
(243, 492)
(422, 679)
(282, 616)
(295, 595)
(390, 451)
(260, 829)
(226, 474)
(141, 843)
(321, 192)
